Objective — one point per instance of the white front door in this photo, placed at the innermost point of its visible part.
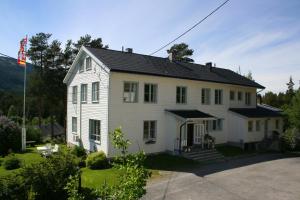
(198, 133)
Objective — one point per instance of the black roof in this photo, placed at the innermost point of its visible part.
(257, 112)
(190, 114)
(143, 64)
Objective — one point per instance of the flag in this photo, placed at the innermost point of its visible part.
(22, 52)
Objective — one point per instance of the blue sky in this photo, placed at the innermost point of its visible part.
(260, 36)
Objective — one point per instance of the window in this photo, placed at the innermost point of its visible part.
(74, 94)
(218, 97)
(130, 94)
(277, 124)
(248, 98)
(250, 126)
(95, 129)
(240, 96)
(232, 95)
(181, 95)
(257, 125)
(81, 66)
(74, 125)
(149, 130)
(150, 93)
(95, 92)
(88, 63)
(84, 93)
(205, 96)
(217, 125)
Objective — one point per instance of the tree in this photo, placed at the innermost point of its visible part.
(293, 111)
(12, 112)
(249, 76)
(181, 52)
(88, 42)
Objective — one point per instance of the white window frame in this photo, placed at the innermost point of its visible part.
(218, 96)
(147, 132)
(257, 125)
(88, 63)
(152, 93)
(232, 95)
(94, 131)
(81, 66)
(74, 125)
(250, 126)
(205, 96)
(83, 93)
(277, 124)
(240, 96)
(182, 95)
(95, 92)
(130, 92)
(74, 94)
(248, 98)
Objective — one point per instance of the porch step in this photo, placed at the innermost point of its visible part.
(210, 155)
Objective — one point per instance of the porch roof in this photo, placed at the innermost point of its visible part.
(258, 112)
(190, 114)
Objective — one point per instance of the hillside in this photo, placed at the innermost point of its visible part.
(12, 75)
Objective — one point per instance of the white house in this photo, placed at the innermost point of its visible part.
(161, 104)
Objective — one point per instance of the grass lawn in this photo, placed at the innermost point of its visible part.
(230, 151)
(95, 178)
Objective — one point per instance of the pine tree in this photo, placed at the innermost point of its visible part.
(181, 52)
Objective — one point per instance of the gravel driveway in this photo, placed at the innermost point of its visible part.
(261, 177)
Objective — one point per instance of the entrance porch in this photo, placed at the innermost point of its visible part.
(193, 130)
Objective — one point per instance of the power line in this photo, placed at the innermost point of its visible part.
(215, 10)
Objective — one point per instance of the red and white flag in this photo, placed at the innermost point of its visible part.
(22, 52)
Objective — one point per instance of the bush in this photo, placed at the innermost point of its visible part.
(10, 136)
(97, 160)
(79, 151)
(33, 134)
(12, 162)
(12, 187)
(289, 140)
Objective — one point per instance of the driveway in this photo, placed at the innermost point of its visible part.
(261, 177)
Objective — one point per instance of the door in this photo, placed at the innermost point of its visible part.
(190, 134)
(198, 133)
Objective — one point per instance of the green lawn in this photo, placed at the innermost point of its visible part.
(95, 178)
(230, 151)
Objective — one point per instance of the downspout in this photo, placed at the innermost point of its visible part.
(180, 136)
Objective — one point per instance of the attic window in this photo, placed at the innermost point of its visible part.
(88, 63)
(81, 67)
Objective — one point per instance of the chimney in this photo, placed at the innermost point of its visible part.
(170, 56)
(129, 50)
(209, 64)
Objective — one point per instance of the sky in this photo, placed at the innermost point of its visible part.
(258, 36)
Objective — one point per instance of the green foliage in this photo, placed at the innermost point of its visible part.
(119, 142)
(97, 160)
(12, 187)
(79, 151)
(10, 136)
(48, 178)
(33, 134)
(249, 76)
(289, 140)
(12, 162)
(181, 52)
(72, 188)
(293, 111)
(12, 111)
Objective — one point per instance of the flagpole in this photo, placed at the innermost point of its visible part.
(24, 107)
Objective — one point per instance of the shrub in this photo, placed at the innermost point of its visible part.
(12, 187)
(289, 140)
(10, 136)
(33, 134)
(79, 151)
(12, 162)
(97, 160)
(48, 178)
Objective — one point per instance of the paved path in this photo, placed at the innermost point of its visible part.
(261, 177)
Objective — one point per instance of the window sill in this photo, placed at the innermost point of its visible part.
(95, 102)
(96, 141)
(150, 102)
(88, 69)
(83, 102)
(150, 141)
(74, 102)
(130, 102)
